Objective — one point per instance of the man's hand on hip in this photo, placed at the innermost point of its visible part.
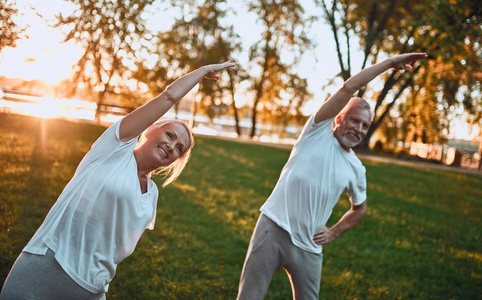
(324, 236)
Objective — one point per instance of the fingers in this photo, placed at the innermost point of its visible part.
(230, 63)
(320, 231)
(421, 55)
(317, 240)
(225, 65)
(322, 240)
(403, 61)
(323, 236)
(408, 67)
(416, 56)
(213, 69)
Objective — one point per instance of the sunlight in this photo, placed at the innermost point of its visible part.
(461, 129)
(110, 118)
(49, 107)
(44, 55)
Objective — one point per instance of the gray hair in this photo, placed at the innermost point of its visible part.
(359, 103)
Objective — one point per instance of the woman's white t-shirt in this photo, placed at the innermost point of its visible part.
(311, 183)
(101, 214)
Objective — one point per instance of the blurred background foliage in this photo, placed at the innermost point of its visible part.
(118, 48)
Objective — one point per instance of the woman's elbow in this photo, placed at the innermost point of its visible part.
(169, 95)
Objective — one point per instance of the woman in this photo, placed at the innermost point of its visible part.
(103, 211)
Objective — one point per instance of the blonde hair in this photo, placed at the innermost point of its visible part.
(172, 171)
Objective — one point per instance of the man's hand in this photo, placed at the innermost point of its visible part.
(403, 61)
(324, 236)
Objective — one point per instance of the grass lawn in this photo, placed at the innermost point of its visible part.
(421, 238)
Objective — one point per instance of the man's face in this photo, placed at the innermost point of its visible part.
(352, 127)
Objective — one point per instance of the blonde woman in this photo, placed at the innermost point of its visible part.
(103, 211)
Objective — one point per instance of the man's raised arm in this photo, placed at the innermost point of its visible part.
(331, 107)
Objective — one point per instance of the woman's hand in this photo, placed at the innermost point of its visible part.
(213, 69)
(403, 61)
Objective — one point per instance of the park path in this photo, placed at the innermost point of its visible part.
(419, 164)
(372, 157)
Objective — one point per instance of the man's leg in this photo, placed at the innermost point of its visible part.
(304, 271)
(262, 261)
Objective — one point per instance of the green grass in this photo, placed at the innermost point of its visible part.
(421, 238)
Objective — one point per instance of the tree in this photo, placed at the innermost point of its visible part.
(225, 46)
(284, 27)
(197, 38)
(110, 33)
(10, 32)
(229, 45)
(452, 78)
(451, 37)
(180, 50)
(170, 56)
(235, 76)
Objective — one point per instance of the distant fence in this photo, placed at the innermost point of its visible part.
(41, 106)
(115, 109)
(450, 156)
(427, 151)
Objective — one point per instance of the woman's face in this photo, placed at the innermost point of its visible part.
(167, 143)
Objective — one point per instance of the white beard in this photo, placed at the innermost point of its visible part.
(348, 142)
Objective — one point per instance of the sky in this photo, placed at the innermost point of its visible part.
(44, 55)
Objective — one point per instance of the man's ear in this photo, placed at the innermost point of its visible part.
(338, 119)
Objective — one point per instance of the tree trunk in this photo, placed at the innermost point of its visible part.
(253, 119)
(235, 113)
(99, 105)
(365, 144)
(233, 103)
(479, 167)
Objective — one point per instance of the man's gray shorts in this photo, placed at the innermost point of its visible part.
(270, 250)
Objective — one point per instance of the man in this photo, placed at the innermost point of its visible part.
(291, 231)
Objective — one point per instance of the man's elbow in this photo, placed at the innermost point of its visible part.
(360, 209)
(349, 87)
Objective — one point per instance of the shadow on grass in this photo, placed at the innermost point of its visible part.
(419, 240)
(191, 254)
(34, 172)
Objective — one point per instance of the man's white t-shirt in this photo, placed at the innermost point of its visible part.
(311, 183)
(101, 214)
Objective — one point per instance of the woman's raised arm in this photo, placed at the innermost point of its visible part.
(139, 120)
